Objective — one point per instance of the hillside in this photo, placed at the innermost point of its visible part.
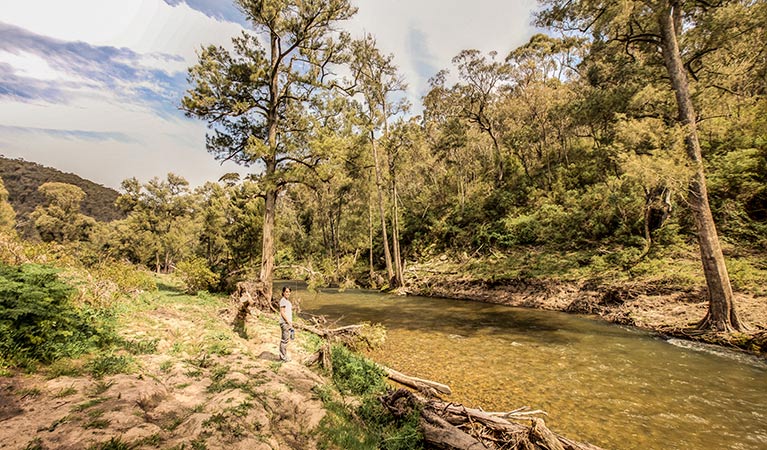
(22, 178)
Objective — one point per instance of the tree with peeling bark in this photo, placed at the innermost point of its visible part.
(670, 31)
(257, 97)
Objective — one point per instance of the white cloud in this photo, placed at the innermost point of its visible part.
(33, 66)
(144, 26)
(106, 131)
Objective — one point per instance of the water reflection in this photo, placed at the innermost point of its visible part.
(612, 386)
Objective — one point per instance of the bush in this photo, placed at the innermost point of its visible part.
(355, 374)
(368, 425)
(521, 230)
(130, 279)
(102, 285)
(196, 275)
(109, 364)
(38, 322)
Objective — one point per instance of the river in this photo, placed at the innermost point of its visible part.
(612, 386)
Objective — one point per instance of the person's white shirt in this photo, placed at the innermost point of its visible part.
(288, 308)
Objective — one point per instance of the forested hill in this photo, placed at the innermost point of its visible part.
(22, 178)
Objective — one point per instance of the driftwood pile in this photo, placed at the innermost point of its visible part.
(450, 426)
(444, 425)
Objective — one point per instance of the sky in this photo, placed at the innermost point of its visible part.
(93, 87)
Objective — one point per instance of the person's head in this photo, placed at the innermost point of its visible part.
(285, 291)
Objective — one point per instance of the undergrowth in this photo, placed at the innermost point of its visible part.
(39, 322)
(364, 424)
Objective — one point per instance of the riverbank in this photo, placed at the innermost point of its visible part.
(185, 381)
(671, 306)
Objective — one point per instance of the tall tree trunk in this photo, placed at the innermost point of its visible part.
(721, 309)
(399, 276)
(370, 237)
(381, 211)
(499, 165)
(267, 247)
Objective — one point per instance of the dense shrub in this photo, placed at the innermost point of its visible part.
(107, 282)
(196, 275)
(38, 322)
(355, 374)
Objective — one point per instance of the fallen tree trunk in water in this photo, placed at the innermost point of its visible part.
(425, 386)
(327, 333)
(351, 336)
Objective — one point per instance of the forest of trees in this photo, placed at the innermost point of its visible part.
(628, 127)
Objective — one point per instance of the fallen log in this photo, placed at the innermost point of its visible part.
(352, 336)
(329, 333)
(426, 386)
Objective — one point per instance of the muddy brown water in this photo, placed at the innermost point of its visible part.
(612, 386)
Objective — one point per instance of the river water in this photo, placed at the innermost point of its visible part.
(615, 387)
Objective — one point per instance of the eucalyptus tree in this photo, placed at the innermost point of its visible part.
(381, 86)
(533, 118)
(61, 220)
(481, 78)
(255, 97)
(460, 156)
(667, 33)
(162, 220)
(214, 204)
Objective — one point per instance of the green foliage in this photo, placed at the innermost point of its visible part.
(403, 434)
(114, 443)
(60, 220)
(7, 214)
(196, 275)
(140, 347)
(161, 222)
(340, 429)
(102, 285)
(129, 278)
(356, 374)
(109, 363)
(38, 322)
(369, 425)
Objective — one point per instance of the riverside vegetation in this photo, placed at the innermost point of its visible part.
(151, 366)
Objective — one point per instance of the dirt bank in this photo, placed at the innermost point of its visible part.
(202, 387)
(665, 309)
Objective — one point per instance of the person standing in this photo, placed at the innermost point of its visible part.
(286, 323)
